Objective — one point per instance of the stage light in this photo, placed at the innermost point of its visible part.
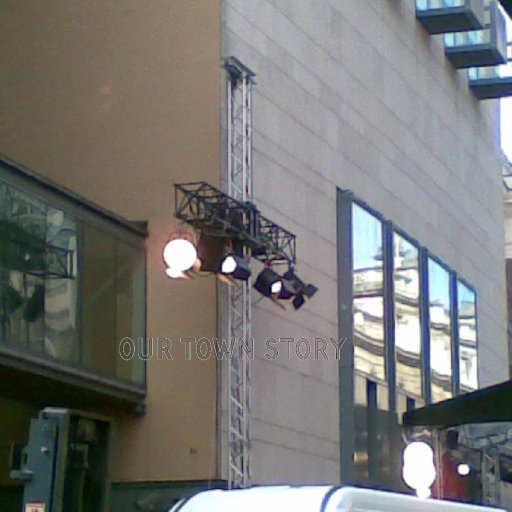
(228, 265)
(463, 469)
(179, 254)
(236, 267)
(294, 287)
(268, 283)
(211, 251)
(306, 291)
(276, 286)
(298, 301)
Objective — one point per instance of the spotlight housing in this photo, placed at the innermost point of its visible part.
(295, 287)
(268, 282)
(235, 266)
(211, 251)
(180, 253)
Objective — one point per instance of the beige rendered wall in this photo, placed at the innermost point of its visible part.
(117, 101)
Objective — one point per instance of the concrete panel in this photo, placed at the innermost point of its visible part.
(356, 95)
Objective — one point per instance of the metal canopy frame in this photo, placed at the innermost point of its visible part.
(215, 213)
(491, 404)
(507, 5)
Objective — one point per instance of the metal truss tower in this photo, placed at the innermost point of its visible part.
(239, 371)
(491, 476)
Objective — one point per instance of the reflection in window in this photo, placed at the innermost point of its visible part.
(37, 265)
(113, 273)
(368, 294)
(440, 331)
(66, 300)
(466, 314)
(407, 316)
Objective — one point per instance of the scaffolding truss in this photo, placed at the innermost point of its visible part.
(217, 214)
(491, 476)
(239, 369)
(239, 388)
(232, 215)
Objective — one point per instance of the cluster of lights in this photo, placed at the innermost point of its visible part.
(181, 256)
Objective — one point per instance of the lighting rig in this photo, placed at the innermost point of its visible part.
(227, 233)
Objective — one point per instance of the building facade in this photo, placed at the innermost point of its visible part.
(367, 143)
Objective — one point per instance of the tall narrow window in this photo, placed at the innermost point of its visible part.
(440, 331)
(369, 350)
(406, 280)
(466, 316)
(413, 331)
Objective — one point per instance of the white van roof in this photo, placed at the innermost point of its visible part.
(316, 499)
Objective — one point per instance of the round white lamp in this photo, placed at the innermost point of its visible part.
(418, 470)
(463, 469)
(179, 255)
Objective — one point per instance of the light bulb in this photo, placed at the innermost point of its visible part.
(276, 287)
(180, 254)
(228, 265)
(418, 470)
(463, 469)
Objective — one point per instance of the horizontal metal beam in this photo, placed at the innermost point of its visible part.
(215, 213)
(507, 5)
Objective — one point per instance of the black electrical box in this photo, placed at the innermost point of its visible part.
(65, 465)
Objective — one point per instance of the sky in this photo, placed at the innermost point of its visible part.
(506, 127)
(506, 108)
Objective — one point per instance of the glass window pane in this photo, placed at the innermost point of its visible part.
(69, 290)
(98, 300)
(130, 310)
(37, 289)
(468, 343)
(369, 352)
(113, 304)
(22, 269)
(440, 331)
(406, 279)
(60, 320)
